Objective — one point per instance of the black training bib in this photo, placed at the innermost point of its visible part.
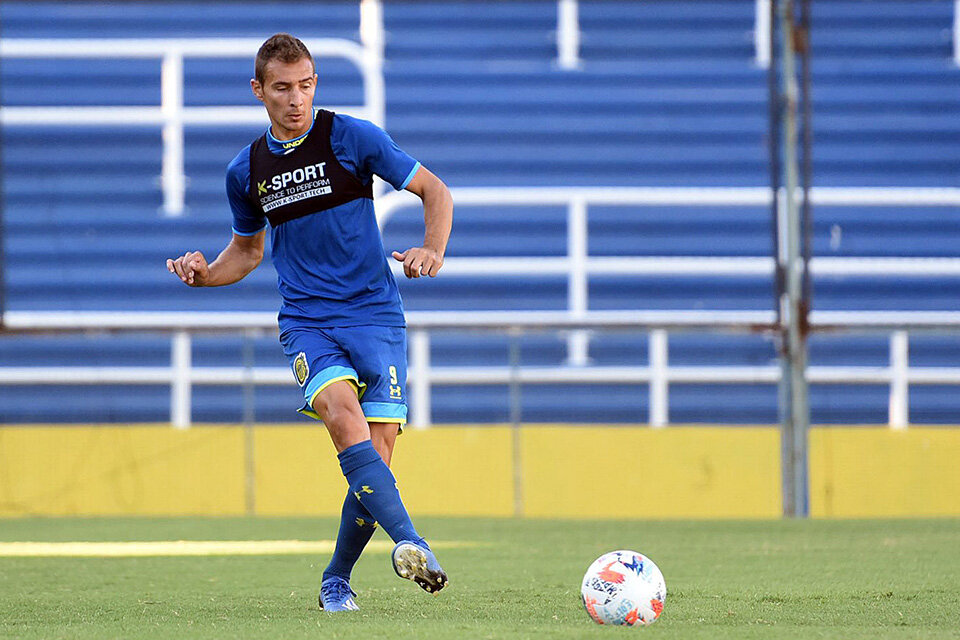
(307, 180)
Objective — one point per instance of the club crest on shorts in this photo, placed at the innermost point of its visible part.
(301, 369)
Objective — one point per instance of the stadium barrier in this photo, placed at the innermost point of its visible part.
(181, 375)
(618, 472)
(526, 470)
(578, 265)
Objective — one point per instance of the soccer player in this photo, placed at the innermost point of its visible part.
(309, 177)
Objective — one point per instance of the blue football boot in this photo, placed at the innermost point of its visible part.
(336, 595)
(413, 562)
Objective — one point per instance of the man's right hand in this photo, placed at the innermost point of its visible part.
(191, 267)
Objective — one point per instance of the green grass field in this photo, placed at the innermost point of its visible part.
(790, 579)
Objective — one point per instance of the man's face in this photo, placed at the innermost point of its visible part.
(287, 93)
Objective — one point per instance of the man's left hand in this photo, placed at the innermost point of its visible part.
(419, 261)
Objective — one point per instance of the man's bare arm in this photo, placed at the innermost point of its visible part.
(239, 258)
(438, 220)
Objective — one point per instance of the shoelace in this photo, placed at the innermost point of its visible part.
(336, 590)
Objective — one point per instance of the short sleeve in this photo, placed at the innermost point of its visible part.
(366, 150)
(245, 221)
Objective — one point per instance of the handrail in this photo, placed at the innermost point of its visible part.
(530, 321)
(482, 267)
(956, 32)
(389, 203)
(196, 321)
(578, 265)
(171, 114)
(568, 35)
(182, 374)
(761, 34)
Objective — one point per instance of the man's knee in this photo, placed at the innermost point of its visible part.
(337, 412)
(336, 402)
(340, 411)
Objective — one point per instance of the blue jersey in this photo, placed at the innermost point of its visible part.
(332, 270)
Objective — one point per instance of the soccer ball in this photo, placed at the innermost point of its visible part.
(623, 587)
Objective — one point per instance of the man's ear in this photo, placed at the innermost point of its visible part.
(257, 89)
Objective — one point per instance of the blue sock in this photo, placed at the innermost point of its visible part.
(356, 529)
(372, 482)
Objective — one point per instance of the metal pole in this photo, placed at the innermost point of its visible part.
(172, 178)
(806, 172)
(659, 384)
(374, 89)
(774, 104)
(3, 261)
(180, 372)
(578, 342)
(956, 32)
(761, 33)
(899, 413)
(797, 418)
(568, 35)
(249, 417)
(420, 375)
(371, 27)
(515, 425)
(371, 35)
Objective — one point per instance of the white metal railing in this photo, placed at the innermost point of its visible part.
(371, 31)
(761, 34)
(568, 35)
(171, 114)
(578, 265)
(956, 32)
(182, 373)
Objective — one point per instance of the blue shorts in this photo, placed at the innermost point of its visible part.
(373, 358)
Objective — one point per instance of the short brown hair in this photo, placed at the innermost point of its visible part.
(283, 47)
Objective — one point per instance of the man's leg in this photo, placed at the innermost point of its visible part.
(384, 438)
(356, 524)
(371, 481)
(413, 561)
(368, 476)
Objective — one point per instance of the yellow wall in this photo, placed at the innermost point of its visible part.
(679, 472)
(439, 471)
(876, 472)
(567, 471)
(121, 470)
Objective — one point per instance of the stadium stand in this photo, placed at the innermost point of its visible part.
(668, 95)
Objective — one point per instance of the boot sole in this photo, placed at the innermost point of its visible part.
(410, 562)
